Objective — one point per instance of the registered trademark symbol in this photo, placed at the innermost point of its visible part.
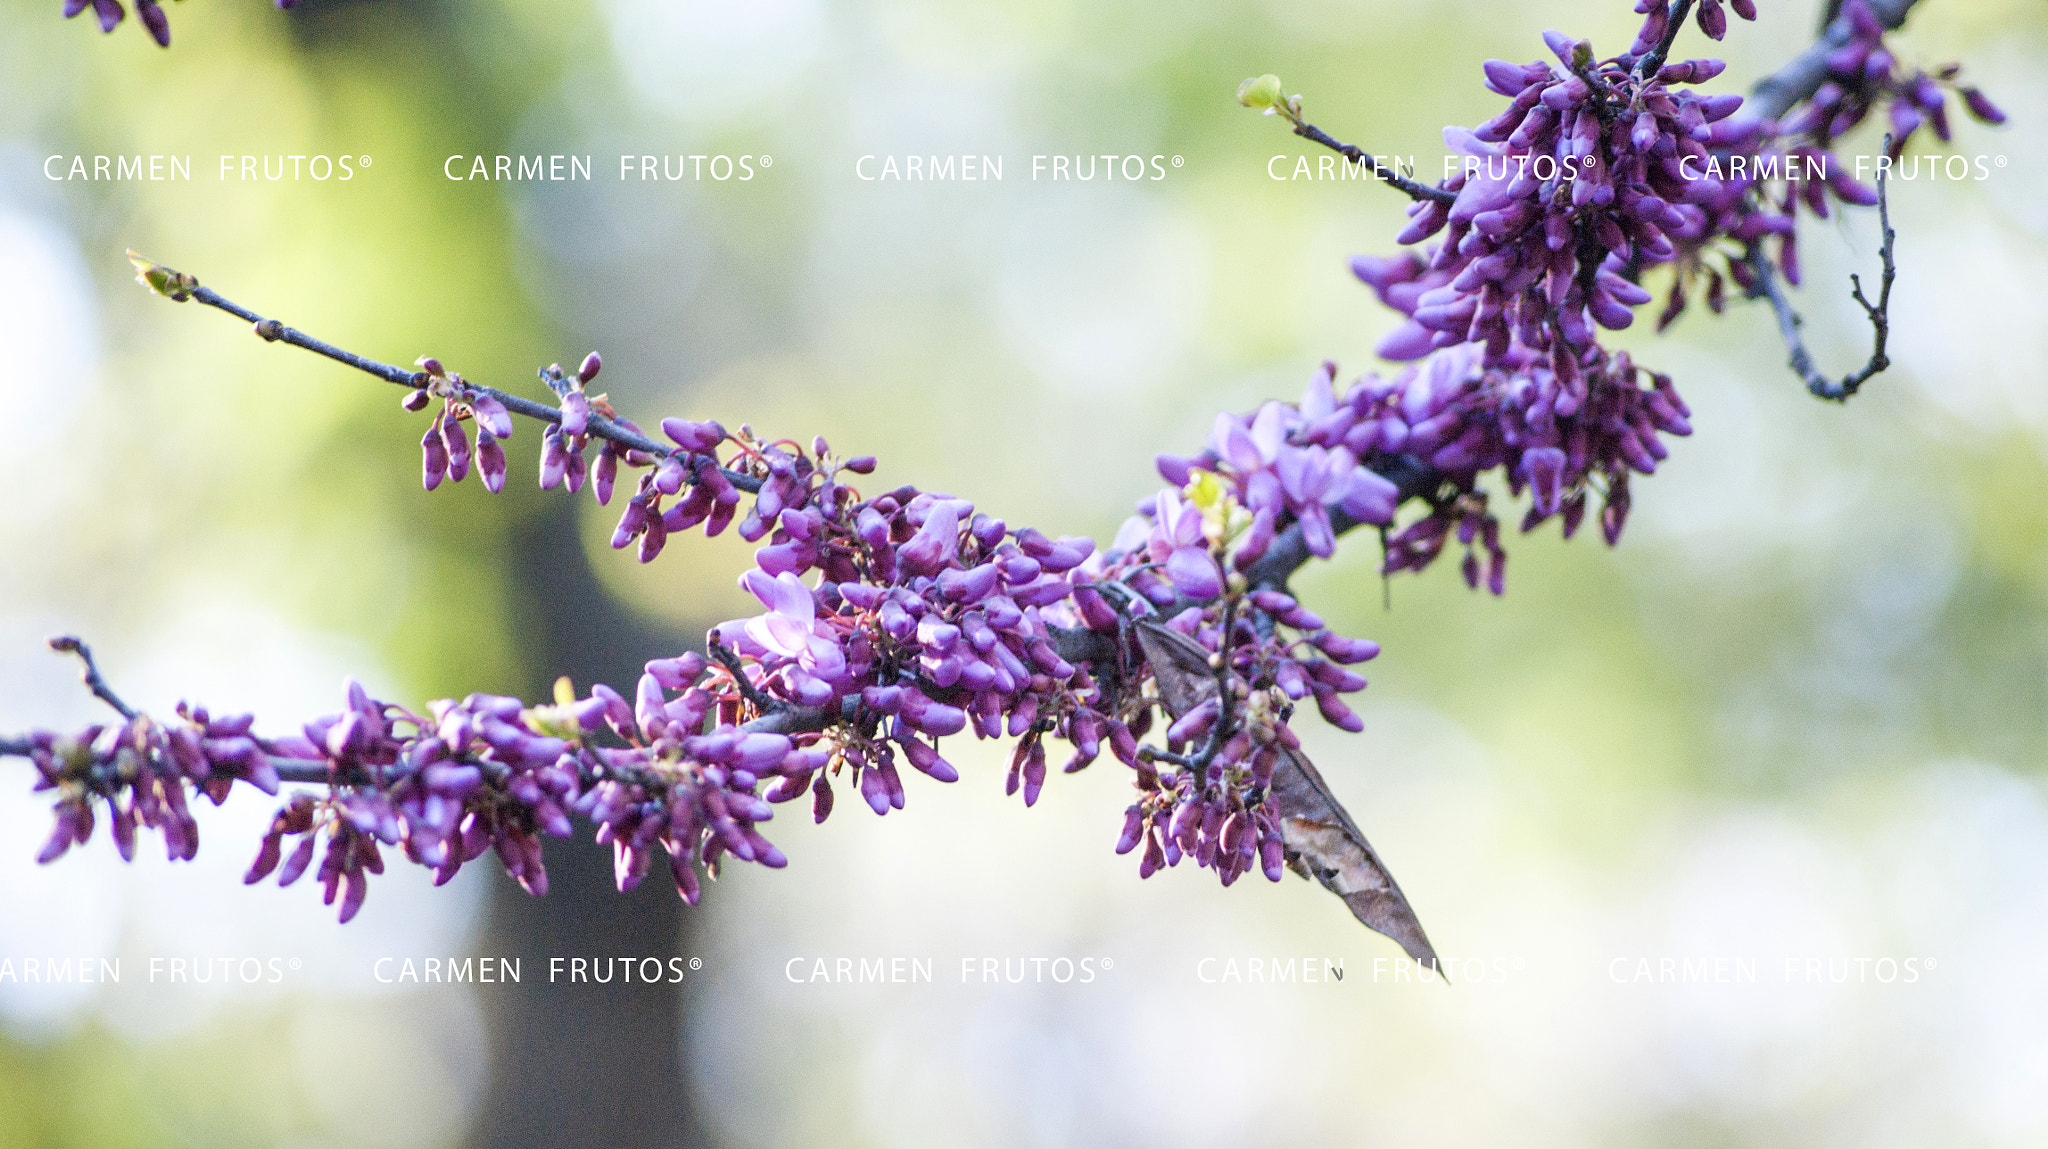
(767, 161)
(1178, 161)
(295, 963)
(696, 963)
(2001, 161)
(1930, 961)
(1108, 963)
(364, 161)
(1520, 962)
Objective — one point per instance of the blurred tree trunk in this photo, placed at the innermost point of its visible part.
(584, 1065)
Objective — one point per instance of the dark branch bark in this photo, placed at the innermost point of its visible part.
(1357, 155)
(94, 681)
(600, 427)
(1800, 359)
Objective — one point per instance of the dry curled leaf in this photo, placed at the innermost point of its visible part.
(1322, 842)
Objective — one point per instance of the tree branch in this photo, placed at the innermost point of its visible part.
(94, 681)
(1357, 155)
(273, 331)
(1789, 322)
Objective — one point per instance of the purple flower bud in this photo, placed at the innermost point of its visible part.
(490, 460)
(934, 718)
(554, 459)
(592, 364)
(631, 523)
(1712, 20)
(300, 858)
(971, 585)
(357, 889)
(1337, 714)
(1504, 78)
(434, 457)
(1644, 134)
(1134, 826)
(1194, 573)
(677, 673)
(492, 416)
(576, 409)
(153, 19)
(456, 440)
(927, 761)
(669, 474)
(1981, 107)
(692, 436)
(1067, 553)
(821, 799)
(1034, 771)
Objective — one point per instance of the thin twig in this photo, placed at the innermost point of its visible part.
(599, 427)
(1226, 716)
(1391, 176)
(1789, 322)
(94, 681)
(731, 662)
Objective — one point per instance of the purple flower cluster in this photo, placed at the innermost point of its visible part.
(139, 769)
(1864, 73)
(696, 795)
(1464, 418)
(1215, 826)
(1562, 198)
(1205, 796)
(444, 450)
(928, 618)
(1757, 176)
(888, 624)
(1283, 465)
(110, 13)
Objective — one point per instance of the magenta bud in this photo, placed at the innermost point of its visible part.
(927, 761)
(575, 413)
(592, 363)
(693, 436)
(300, 858)
(1981, 107)
(490, 460)
(679, 672)
(492, 416)
(456, 440)
(433, 457)
(1173, 468)
(1134, 826)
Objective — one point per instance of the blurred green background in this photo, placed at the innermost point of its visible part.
(1800, 715)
